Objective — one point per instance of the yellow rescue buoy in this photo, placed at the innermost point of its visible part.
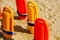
(7, 22)
(32, 11)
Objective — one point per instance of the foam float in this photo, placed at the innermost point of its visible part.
(40, 29)
(7, 22)
(21, 9)
(32, 11)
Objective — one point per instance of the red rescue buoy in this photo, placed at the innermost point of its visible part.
(40, 30)
(21, 8)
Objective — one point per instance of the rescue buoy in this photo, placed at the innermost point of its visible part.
(21, 9)
(40, 29)
(7, 22)
(32, 11)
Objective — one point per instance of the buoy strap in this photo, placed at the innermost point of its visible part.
(9, 33)
(31, 24)
(24, 15)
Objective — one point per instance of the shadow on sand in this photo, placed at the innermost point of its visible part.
(20, 29)
(1, 35)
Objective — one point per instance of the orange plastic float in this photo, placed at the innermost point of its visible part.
(7, 22)
(0, 14)
(40, 30)
(32, 11)
(21, 9)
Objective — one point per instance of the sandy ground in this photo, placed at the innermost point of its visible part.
(48, 10)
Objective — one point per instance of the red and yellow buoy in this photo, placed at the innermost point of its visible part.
(32, 11)
(40, 30)
(21, 9)
(7, 22)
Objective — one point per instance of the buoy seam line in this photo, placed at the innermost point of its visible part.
(6, 9)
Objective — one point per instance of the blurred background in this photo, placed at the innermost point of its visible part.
(48, 10)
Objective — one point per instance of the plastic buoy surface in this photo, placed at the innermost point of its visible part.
(7, 22)
(21, 8)
(32, 11)
(0, 14)
(40, 30)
